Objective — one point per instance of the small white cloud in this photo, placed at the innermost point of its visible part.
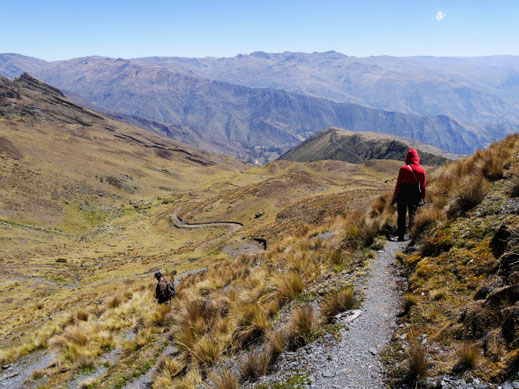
(440, 15)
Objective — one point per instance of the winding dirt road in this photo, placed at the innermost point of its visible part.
(177, 222)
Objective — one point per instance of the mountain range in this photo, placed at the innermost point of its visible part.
(468, 89)
(237, 106)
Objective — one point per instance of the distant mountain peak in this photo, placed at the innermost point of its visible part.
(259, 54)
(359, 147)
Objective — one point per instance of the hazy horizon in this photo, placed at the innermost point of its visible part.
(270, 53)
(58, 29)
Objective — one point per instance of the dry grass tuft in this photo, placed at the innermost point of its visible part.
(410, 300)
(514, 185)
(167, 369)
(37, 374)
(277, 341)
(87, 383)
(425, 219)
(82, 315)
(224, 380)
(338, 258)
(192, 380)
(359, 231)
(472, 192)
(255, 365)
(335, 303)
(438, 294)
(288, 286)
(77, 335)
(417, 361)
(493, 168)
(469, 355)
(160, 315)
(85, 363)
(378, 206)
(300, 326)
(251, 323)
(114, 302)
(207, 351)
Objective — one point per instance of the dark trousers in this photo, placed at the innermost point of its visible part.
(404, 208)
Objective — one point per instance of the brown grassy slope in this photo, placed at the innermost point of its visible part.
(217, 315)
(77, 191)
(85, 202)
(291, 195)
(463, 293)
(66, 151)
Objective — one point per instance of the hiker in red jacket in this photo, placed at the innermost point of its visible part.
(409, 190)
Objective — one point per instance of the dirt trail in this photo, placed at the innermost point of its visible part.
(146, 380)
(354, 361)
(177, 222)
(15, 375)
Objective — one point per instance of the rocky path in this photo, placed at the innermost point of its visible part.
(354, 362)
(13, 376)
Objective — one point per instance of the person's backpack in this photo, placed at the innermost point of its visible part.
(420, 199)
(170, 291)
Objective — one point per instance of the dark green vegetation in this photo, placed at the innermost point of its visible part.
(359, 147)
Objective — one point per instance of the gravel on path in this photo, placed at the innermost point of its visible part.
(354, 362)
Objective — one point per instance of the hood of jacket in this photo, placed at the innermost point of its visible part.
(412, 157)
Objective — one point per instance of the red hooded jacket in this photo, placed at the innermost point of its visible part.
(405, 176)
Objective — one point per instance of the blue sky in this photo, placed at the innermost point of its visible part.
(54, 30)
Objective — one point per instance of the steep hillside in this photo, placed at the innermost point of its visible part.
(183, 134)
(260, 123)
(460, 321)
(359, 147)
(65, 151)
(475, 90)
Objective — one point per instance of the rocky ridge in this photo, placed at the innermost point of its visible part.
(359, 147)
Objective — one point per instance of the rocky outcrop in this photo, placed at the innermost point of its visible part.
(359, 147)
